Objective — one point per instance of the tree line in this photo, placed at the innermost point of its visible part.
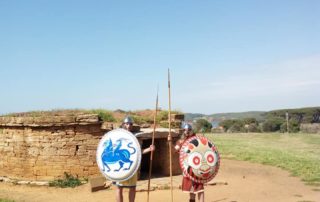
(273, 121)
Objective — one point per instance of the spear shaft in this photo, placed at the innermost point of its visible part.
(169, 136)
(153, 134)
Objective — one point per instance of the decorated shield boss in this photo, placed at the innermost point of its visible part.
(118, 155)
(199, 159)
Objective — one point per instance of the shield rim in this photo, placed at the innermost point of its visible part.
(185, 171)
(138, 149)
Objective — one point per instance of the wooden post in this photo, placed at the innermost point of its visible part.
(287, 119)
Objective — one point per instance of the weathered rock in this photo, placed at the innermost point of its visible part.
(88, 118)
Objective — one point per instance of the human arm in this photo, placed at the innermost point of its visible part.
(149, 149)
(178, 145)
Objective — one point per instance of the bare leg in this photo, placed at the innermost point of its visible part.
(119, 195)
(192, 197)
(132, 194)
(201, 197)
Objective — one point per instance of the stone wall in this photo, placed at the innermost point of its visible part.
(43, 149)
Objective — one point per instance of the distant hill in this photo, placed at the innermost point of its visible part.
(301, 115)
(306, 115)
(222, 116)
(259, 115)
(192, 116)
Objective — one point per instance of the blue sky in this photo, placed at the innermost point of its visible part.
(224, 56)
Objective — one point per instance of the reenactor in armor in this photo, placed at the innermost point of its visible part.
(132, 182)
(188, 185)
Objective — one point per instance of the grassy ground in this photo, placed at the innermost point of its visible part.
(297, 153)
(6, 200)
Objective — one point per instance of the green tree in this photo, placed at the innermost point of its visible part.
(237, 127)
(253, 128)
(202, 125)
(294, 126)
(226, 124)
(233, 125)
(272, 124)
(250, 121)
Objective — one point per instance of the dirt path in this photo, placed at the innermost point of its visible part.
(236, 181)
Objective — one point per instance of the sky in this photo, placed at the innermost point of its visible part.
(223, 56)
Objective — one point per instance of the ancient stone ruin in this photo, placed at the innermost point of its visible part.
(46, 147)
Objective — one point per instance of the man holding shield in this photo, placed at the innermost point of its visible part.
(132, 182)
(188, 185)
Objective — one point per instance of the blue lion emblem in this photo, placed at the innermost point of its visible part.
(113, 154)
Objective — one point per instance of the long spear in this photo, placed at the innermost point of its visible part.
(153, 134)
(169, 136)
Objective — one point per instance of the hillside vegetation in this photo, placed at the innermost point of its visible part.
(139, 116)
(258, 121)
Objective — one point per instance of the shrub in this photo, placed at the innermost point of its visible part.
(272, 124)
(226, 124)
(233, 125)
(294, 126)
(105, 115)
(250, 121)
(202, 125)
(252, 128)
(141, 119)
(236, 127)
(162, 116)
(68, 181)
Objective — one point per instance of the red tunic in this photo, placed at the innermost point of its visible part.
(187, 184)
(191, 186)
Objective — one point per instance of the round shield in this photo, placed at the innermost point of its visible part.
(118, 155)
(199, 159)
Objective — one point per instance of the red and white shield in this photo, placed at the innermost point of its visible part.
(199, 159)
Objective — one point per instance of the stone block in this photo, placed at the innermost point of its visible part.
(97, 183)
(17, 137)
(59, 144)
(40, 170)
(93, 170)
(49, 151)
(55, 172)
(92, 141)
(32, 138)
(8, 149)
(33, 151)
(88, 118)
(80, 137)
(73, 162)
(108, 125)
(92, 147)
(76, 171)
(63, 152)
